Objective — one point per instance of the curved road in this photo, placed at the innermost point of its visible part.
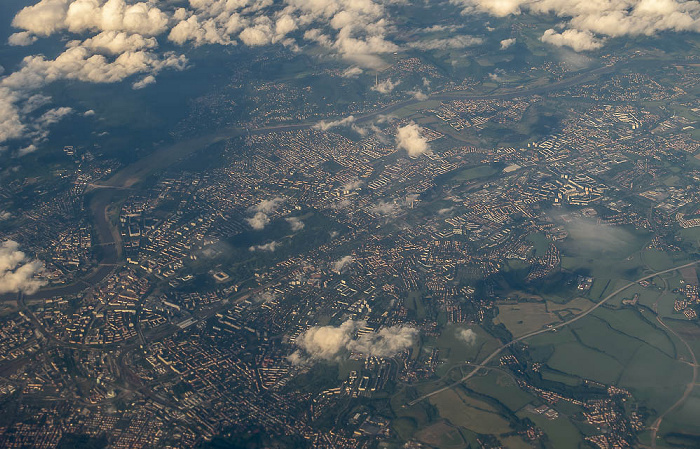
(550, 329)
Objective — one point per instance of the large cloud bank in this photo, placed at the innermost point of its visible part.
(589, 22)
(17, 272)
(331, 342)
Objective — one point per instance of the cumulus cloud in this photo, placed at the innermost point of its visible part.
(410, 138)
(343, 262)
(332, 342)
(295, 223)
(260, 219)
(78, 16)
(611, 18)
(575, 39)
(17, 272)
(468, 336)
(267, 247)
(506, 43)
(4, 215)
(21, 39)
(324, 125)
(385, 86)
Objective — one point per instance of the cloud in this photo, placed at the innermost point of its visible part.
(4, 215)
(88, 113)
(144, 82)
(343, 262)
(330, 342)
(352, 72)
(295, 223)
(575, 39)
(384, 208)
(260, 219)
(118, 42)
(418, 95)
(352, 185)
(410, 138)
(268, 206)
(21, 39)
(78, 16)
(505, 43)
(454, 42)
(26, 150)
(611, 18)
(385, 86)
(268, 247)
(17, 272)
(324, 125)
(468, 336)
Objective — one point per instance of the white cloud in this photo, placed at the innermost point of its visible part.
(258, 221)
(21, 39)
(89, 113)
(343, 262)
(17, 272)
(352, 72)
(331, 342)
(268, 247)
(455, 42)
(385, 86)
(324, 125)
(410, 138)
(384, 208)
(468, 336)
(418, 95)
(575, 39)
(78, 16)
(26, 150)
(4, 215)
(144, 82)
(352, 185)
(611, 18)
(506, 43)
(295, 223)
(118, 42)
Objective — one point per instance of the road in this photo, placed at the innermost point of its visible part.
(688, 389)
(548, 329)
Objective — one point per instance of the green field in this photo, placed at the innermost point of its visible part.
(469, 174)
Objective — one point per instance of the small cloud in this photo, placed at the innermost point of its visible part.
(352, 72)
(268, 247)
(17, 272)
(324, 125)
(143, 82)
(575, 39)
(410, 138)
(27, 150)
(21, 39)
(331, 342)
(88, 113)
(341, 263)
(384, 208)
(468, 336)
(506, 43)
(258, 221)
(418, 95)
(385, 86)
(295, 223)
